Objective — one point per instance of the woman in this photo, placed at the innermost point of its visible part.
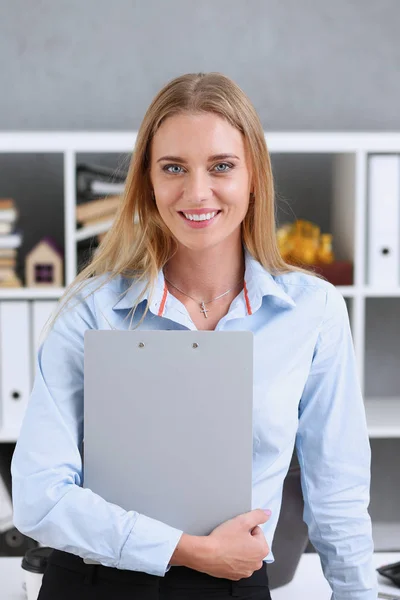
(203, 255)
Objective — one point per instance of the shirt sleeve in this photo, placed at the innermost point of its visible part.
(49, 503)
(334, 454)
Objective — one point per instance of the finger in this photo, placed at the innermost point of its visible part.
(255, 517)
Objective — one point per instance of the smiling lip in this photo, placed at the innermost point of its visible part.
(200, 224)
(200, 211)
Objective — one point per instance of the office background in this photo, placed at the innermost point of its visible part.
(307, 65)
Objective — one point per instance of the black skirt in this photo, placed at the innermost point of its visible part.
(67, 577)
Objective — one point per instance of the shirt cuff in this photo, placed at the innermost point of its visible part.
(149, 546)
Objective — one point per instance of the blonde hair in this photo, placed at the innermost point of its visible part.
(139, 250)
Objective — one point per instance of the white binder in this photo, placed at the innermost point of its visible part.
(41, 311)
(384, 220)
(15, 375)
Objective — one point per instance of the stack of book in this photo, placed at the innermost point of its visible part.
(96, 216)
(10, 241)
(93, 181)
(99, 191)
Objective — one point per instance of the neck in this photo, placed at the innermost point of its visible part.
(208, 273)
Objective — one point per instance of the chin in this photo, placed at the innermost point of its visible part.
(200, 245)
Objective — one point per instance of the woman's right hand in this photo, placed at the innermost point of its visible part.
(238, 546)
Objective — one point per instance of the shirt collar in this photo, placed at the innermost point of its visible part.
(258, 282)
(261, 283)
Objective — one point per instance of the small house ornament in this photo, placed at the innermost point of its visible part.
(44, 264)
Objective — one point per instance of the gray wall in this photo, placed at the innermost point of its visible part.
(96, 64)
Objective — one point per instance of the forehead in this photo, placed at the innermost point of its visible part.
(199, 134)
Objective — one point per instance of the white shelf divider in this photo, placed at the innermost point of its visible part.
(373, 292)
(69, 216)
(358, 331)
(33, 293)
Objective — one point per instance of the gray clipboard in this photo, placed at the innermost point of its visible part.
(168, 423)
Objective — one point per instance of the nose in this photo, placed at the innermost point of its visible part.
(197, 187)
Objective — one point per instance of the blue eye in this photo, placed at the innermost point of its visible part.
(167, 167)
(227, 165)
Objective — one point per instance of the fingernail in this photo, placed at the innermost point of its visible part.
(267, 511)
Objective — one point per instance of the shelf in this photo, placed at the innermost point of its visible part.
(44, 293)
(8, 436)
(348, 291)
(367, 292)
(319, 176)
(386, 536)
(383, 417)
(25, 293)
(117, 141)
(373, 292)
(67, 141)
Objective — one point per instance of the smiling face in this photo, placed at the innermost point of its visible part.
(199, 170)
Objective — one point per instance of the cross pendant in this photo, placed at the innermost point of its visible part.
(204, 310)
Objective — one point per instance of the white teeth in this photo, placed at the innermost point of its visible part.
(204, 217)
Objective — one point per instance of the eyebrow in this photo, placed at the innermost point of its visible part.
(213, 157)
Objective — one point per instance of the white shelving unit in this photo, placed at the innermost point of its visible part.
(348, 223)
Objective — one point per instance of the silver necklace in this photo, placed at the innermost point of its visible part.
(202, 304)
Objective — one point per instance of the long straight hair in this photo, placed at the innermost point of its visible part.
(139, 244)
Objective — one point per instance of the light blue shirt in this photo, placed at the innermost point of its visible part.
(306, 394)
